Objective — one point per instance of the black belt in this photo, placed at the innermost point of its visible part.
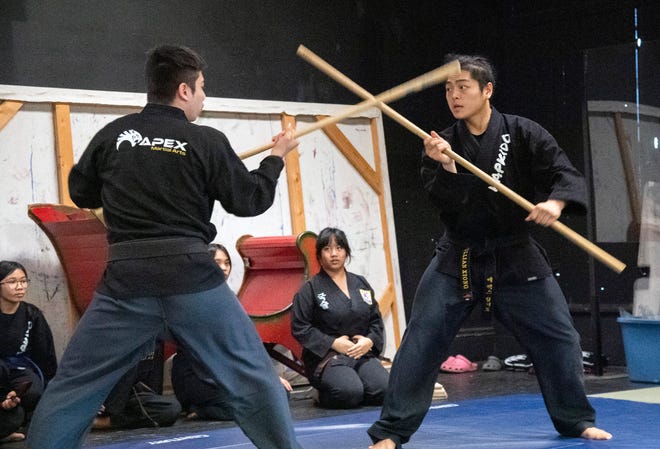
(143, 249)
(466, 280)
(483, 247)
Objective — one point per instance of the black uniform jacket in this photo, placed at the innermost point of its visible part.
(26, 334)
(322, 312)
(157, 176)
(523, 156)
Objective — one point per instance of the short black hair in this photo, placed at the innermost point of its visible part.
(480, 67)
(167, 67)
(326, 235)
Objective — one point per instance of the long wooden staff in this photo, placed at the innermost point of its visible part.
(414, 85)
(597, 252)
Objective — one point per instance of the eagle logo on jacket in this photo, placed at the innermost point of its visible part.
(131, 136)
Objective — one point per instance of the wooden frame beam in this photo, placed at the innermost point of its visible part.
(353, 155)
(8, 109)
(391, 294)
(294, 184)
(387, 302)
(63, 149)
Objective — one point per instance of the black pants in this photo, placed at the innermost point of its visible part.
(537, 315)
(136, 401)
(146, 409)
(196, 389)
(348, 383)
(12, 420)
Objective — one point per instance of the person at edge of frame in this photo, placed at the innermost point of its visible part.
(487, 256)
(27, 352)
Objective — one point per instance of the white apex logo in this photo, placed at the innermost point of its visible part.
(135, 138)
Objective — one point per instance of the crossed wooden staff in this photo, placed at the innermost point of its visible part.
(414, 85)
(431, 78)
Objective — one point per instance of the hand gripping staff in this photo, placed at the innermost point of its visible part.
(592, 249)
(428, 79)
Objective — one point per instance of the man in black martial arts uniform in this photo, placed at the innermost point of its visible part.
(157, 177)
(487, 255)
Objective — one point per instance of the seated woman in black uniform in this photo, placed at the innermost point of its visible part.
(336, 319)
(27, 353)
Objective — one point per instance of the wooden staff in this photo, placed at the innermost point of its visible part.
(597, 252)
(414, 85)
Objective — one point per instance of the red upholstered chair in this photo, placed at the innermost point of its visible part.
(80, 240)
(275, 268)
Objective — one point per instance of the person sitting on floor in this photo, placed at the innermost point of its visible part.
(27, 352)
(193, 385)
(137, 400)
(336, 319)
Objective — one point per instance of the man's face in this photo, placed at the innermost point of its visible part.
(464, 97)
(196, 100)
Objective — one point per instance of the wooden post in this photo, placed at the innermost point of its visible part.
(353, 156)
(391, 294)
(294, 184)
(387, 301)
(63, 149)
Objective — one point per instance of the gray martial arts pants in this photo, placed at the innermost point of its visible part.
(114, 335)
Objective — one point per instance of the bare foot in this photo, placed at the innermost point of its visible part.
(594, 433)
(384, 444)
(16, 436)
(101, 423)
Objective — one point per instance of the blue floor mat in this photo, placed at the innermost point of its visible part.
(504, 422)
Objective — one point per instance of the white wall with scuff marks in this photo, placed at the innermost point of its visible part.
(333, 192)
(27, 156)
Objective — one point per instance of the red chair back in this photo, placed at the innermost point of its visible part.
(80, 241)
(275, 268)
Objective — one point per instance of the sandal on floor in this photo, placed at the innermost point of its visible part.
(492, 364)
(458, 364)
